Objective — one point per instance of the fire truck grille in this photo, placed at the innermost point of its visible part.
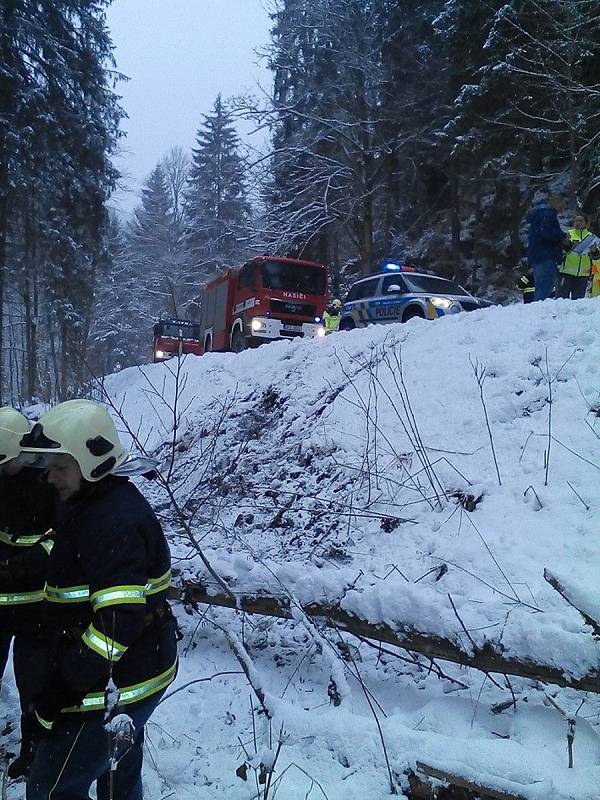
(299, 309)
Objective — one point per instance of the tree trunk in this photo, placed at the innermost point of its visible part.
(7, 89)
(486, 658)
(3, 227)
(391, 190)
(516, 248)
(64, 361)
(366, 255)
(30, 306)
(457, 781)
(53, 384)
(33, 364)
(455, 211)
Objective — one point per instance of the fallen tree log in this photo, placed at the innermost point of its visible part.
(485, 659)
(453, 780)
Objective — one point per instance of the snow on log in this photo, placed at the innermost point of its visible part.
(458, 781)
(486, 658)
(579, 603)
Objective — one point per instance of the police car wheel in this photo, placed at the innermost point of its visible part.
(413, 312)
(347, 325)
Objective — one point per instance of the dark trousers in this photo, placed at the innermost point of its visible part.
(545, 275)
(30, 667)
(571, 287)
(78, 752)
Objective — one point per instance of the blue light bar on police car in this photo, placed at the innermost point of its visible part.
(392, 266)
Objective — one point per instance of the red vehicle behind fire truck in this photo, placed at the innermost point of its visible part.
(176, 337)
(269, 298)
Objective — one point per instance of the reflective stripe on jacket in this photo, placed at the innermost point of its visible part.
(577, 264)
(525, 284)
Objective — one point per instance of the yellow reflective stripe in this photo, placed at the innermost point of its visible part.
(20, 541)
(45, 723)
(67, 594)
(161, 584)
(18, 598)
(115, 595)
(48, 544)
(103, 645)
(112, 595)
(129, 694)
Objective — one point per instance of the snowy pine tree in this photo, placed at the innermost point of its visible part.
(218, 211)
(54, 180)
(157, 249)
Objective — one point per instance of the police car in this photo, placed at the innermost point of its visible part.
(400, 293)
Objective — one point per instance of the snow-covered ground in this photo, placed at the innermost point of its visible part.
(329, 471)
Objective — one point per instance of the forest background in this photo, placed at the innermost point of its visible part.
(393, 129)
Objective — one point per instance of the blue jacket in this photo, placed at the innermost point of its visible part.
(545, 235)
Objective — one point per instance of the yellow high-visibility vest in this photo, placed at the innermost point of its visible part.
(577, 264)
(331, 321)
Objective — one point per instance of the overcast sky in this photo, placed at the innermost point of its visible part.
(179, 54)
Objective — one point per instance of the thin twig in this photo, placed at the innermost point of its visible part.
(480, 372)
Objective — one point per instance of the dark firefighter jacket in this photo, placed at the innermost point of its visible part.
(27, 511)
(106, 613)
(526, 285)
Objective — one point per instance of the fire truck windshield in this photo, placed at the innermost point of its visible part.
(289, 277)
(174, 329)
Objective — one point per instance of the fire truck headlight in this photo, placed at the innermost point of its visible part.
(317, 319)
(441, 302)
(258, 325)
(160, 354)
(321, 331)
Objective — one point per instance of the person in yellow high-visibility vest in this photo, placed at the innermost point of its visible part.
(576, 268)
(332, 316)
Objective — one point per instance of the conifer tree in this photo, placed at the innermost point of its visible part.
(59, 120)
(157, 251)
(218, 211)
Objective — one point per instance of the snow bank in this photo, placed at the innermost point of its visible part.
(335, 470)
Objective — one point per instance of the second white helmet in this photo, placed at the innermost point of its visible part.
(13, 426)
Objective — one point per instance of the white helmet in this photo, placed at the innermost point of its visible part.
(336, 303)
(13, 426)
(83, 429)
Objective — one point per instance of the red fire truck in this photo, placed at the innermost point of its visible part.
(176, 337)
(270, 297)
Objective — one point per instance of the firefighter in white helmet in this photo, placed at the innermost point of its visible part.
(27, 506)
(332, 316)
(106, 611)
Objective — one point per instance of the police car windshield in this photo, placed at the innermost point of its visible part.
(293, 277)
(431, 285)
